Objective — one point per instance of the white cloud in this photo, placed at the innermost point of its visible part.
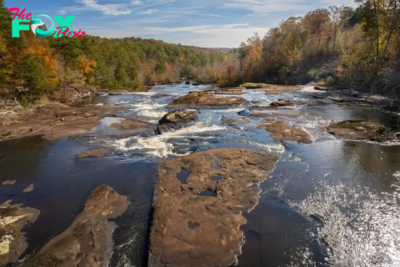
(272, 6)
(106, 9)
(136, 2)
(150, 11)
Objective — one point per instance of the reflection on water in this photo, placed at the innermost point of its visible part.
(351, 188)
(62, 184)
(331, 203)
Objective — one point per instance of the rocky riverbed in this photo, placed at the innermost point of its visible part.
(253, 176)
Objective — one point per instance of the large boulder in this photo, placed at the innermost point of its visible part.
(176, 120)
(206, 99)
(88, 241)
(198, 204)
(12, 240)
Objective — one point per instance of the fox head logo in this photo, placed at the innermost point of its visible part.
(36, 23)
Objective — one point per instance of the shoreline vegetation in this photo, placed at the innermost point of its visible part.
(339, 47)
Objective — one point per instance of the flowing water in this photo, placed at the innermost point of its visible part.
(330, 203)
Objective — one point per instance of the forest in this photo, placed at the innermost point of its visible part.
(338, 46)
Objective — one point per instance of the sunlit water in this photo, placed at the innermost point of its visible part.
(331, 203)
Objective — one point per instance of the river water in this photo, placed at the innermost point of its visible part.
(330, 203)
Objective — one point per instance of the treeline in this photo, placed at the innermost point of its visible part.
(339, 46)
(31, 66)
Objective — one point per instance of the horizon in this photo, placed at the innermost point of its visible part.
(214, 24)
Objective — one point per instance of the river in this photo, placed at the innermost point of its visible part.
(329, 203)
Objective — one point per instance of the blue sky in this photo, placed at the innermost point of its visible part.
(206, 23)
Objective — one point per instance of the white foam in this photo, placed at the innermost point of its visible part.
(144, 93)
(397, 174)
(158, 145)
(123, 102)
(231, 110)
(151, 110)
(271, 147)
(310, 88)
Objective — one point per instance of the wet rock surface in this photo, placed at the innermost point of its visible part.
(176, 119)
(274, 115)
(276, 107)
(234, 121)
(12, 241)
(88, 241)
(76, 92)
(206, 99)
(161, 95)
(282, 132)
(53, 121)
(284, 103)
(362, 130)
(8, 182)
(230, 91)
(96, 153)
(29, 188)
(198, 204)
(132, 126)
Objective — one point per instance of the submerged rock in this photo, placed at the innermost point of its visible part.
(198, 204)
(8, 182)
(88, 241)
(96, 153)
(29, 189)
(235, 121)
(161, 95)
(276, 107)
(274, 115)
(323, 88)
(361, 130)
(176, 120)
(281, 132)
(12, 241)
(283, 103)
(133, 126)
(206, 99)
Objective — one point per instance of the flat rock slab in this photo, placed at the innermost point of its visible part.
(133, 126)
(161, 95)
(12, 241)
(54, 121)
(281, 132)
(235, 121)
(206, 99)
(269, 108)
(362, 130)
(198, 204)
(88, 241)
(96, 153)
(29, 188)
(8, 182)
(230, 91)
(284, 103)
